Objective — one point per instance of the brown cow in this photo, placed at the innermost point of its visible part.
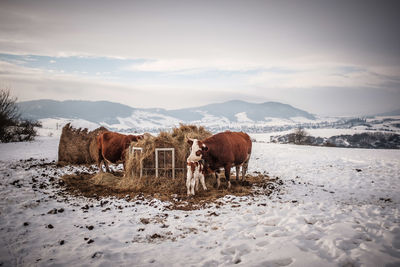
(112, 148)
(223, 150)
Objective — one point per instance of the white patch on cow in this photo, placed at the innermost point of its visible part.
(195, 147)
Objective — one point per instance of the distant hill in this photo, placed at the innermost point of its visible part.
(255, 112)
(99, 111)
(116, 114)
(391, 113)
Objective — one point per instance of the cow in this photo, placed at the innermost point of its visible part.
(112, 148)
(195, 173)
(223, 150)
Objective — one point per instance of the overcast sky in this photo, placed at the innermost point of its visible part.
(327, 57)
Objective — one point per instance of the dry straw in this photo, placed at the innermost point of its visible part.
(176, 138)
(78, 146)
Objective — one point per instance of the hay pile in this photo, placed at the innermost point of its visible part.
(147, 185)
(163, 188)
(176, 138)
(78, 146)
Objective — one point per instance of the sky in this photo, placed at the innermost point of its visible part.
(326, 57)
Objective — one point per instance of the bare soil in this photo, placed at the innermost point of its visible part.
(166, 189)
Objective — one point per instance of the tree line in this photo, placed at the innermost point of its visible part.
(12, 127)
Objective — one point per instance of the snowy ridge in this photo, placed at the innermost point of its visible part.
(113, 115)
(146, 120)
(142, 121)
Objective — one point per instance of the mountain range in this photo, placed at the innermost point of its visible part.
(391, 113)
(122, 116)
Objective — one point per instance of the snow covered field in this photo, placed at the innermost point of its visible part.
(338, 207)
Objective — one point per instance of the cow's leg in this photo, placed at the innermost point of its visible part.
(192, 184)
(245, 167)
(99, 157)
(244, 170)
(100, 165)
(124, 168)
(237, 172)
(107, 167)
(203, 182)
(217, 176)
(100, 161)
(197, 177)
(188, 179)
(228, 175)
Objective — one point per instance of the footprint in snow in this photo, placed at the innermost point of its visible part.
(277, 262)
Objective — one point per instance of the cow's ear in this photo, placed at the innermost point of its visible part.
(204, 147)
(190, 141)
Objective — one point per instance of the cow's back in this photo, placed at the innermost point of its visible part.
(112, 145)
(228, 148)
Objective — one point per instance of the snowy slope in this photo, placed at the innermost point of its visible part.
(117, 116)
(339, 207)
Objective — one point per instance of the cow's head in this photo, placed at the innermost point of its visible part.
(197, 150)
(135, 138)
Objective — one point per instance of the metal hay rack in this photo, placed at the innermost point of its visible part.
(162, 163)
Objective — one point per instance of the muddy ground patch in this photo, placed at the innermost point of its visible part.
(166, 189)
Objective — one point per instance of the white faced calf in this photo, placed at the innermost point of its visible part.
(195, 172)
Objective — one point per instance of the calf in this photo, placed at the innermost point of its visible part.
(112, 148)
(195, 172)
(223, 150)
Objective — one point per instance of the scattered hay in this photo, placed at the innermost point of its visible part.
(105, 179)
(176, 138)
(165, 189)
(78, 146)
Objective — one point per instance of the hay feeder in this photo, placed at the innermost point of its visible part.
(163, 155)
(133, 151)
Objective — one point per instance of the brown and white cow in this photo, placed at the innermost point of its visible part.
(223, 150)
(112, 148)
(195, 173)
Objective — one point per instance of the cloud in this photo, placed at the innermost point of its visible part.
(319, 90)
(190, 66)
(256, 31)
(285, 74)
(339, 76)
(31, 83)
(190, 53)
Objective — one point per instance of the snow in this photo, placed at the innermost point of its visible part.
(146, 120)
(53, 126)
(321, 132)
(242, 117)
(42, 147)
(210, 120)
(339, 207)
